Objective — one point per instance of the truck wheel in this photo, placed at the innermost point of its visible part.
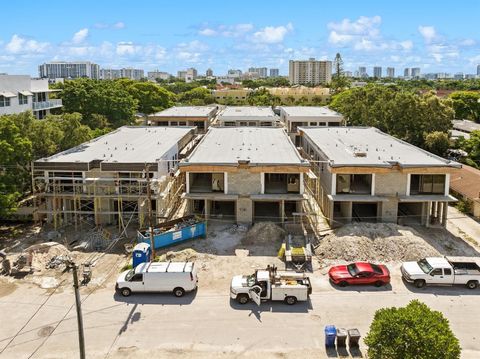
(242, 298)
(125, 292)
(178, 292)
(419, 283)
(379, 283)
(472, 284)
(290, 300)
(343, 283)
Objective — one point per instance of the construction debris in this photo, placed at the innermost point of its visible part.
(374, 242)
(180, 256)
(264, 232)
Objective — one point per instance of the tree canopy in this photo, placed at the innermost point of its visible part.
(150, 97)
(402, 114)
(198, 96)
(108, 98)
(411, 332)
(466, 105)
(262, 97)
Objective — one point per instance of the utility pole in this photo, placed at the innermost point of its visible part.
(150, 216)
(81, 337)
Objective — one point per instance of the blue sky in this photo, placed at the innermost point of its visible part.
(437, 36)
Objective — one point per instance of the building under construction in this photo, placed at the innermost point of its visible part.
(110, 179)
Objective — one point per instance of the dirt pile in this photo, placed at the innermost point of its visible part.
(185, 255)
(374, 242)
(42, 253)
(264, 232)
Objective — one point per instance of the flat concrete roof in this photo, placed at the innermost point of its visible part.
(311, 111)
(127, 144)
(466, 125)
(259, 145)
(245, 113)
(368, 146)
(185, 111)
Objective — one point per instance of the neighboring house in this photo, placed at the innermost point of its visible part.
(245, 174)
(247, 116)
(230, 95)
(298, 116)
(312, 95)
(465, 184)
(463, 128)
(19, 93)
(104, 181)
(367, 175)
(199, 116)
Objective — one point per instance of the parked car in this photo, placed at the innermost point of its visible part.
(443, 271)
(359, 273)
(174, 277)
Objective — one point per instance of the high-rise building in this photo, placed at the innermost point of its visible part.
(274, 72)
(377, 71)
(478, 70)
(261, 71)
(69, 70)
(310, 72)
(181, 74)
(406, 72)
(391, 72)
(129, 73)
(415, 72)
(234, 73)
(154, 75)
(362, 71)
(209, 73)
(191, 74)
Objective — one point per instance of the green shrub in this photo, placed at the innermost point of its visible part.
(411, 332)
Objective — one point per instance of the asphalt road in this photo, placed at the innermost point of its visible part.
(206, 324)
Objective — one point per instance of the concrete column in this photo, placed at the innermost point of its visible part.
(262, 181)
(187, 182)
(445, 212)
(372, 189)
(207, 209)
(225, 182)
(282, 210)
(334, 183)
(447, 184)
(409, 178)
(427, 217)
(330, 213)
(302, 185)
(439, 211)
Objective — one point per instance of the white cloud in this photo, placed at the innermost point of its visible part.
(468, 42)
(347, 29)
(428, 33)
(116, 26)
(80, 36)
(127, 48)
(272, 34)
(119, 25)
(406, 45)
(236, 30)
(19, 45)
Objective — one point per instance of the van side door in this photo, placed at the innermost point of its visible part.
(136, 283)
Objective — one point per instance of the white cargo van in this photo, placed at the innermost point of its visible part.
(174, 277)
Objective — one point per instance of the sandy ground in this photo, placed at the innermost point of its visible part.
(41, 323)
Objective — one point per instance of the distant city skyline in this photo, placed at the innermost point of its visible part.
(217, 35)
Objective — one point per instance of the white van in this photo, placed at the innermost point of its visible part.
(174, 277)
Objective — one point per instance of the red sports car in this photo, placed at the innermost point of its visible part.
(359, 273)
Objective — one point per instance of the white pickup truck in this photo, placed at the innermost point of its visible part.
(443, 271)
(271, 284)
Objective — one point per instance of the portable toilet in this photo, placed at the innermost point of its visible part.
(141, 254)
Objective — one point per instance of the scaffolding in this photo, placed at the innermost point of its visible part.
(94, 198)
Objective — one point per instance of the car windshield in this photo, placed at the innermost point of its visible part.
(376, 269)
(424, 266)
(352, 269)
(251, 279)
(129, 275)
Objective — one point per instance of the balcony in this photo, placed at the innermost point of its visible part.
(45, 105)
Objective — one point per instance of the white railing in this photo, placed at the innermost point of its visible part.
(47, 104)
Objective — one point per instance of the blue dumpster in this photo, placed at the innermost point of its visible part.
(330, 335)
(141, 254)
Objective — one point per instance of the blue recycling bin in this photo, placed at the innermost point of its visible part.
(141, 254)
(330, 335)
